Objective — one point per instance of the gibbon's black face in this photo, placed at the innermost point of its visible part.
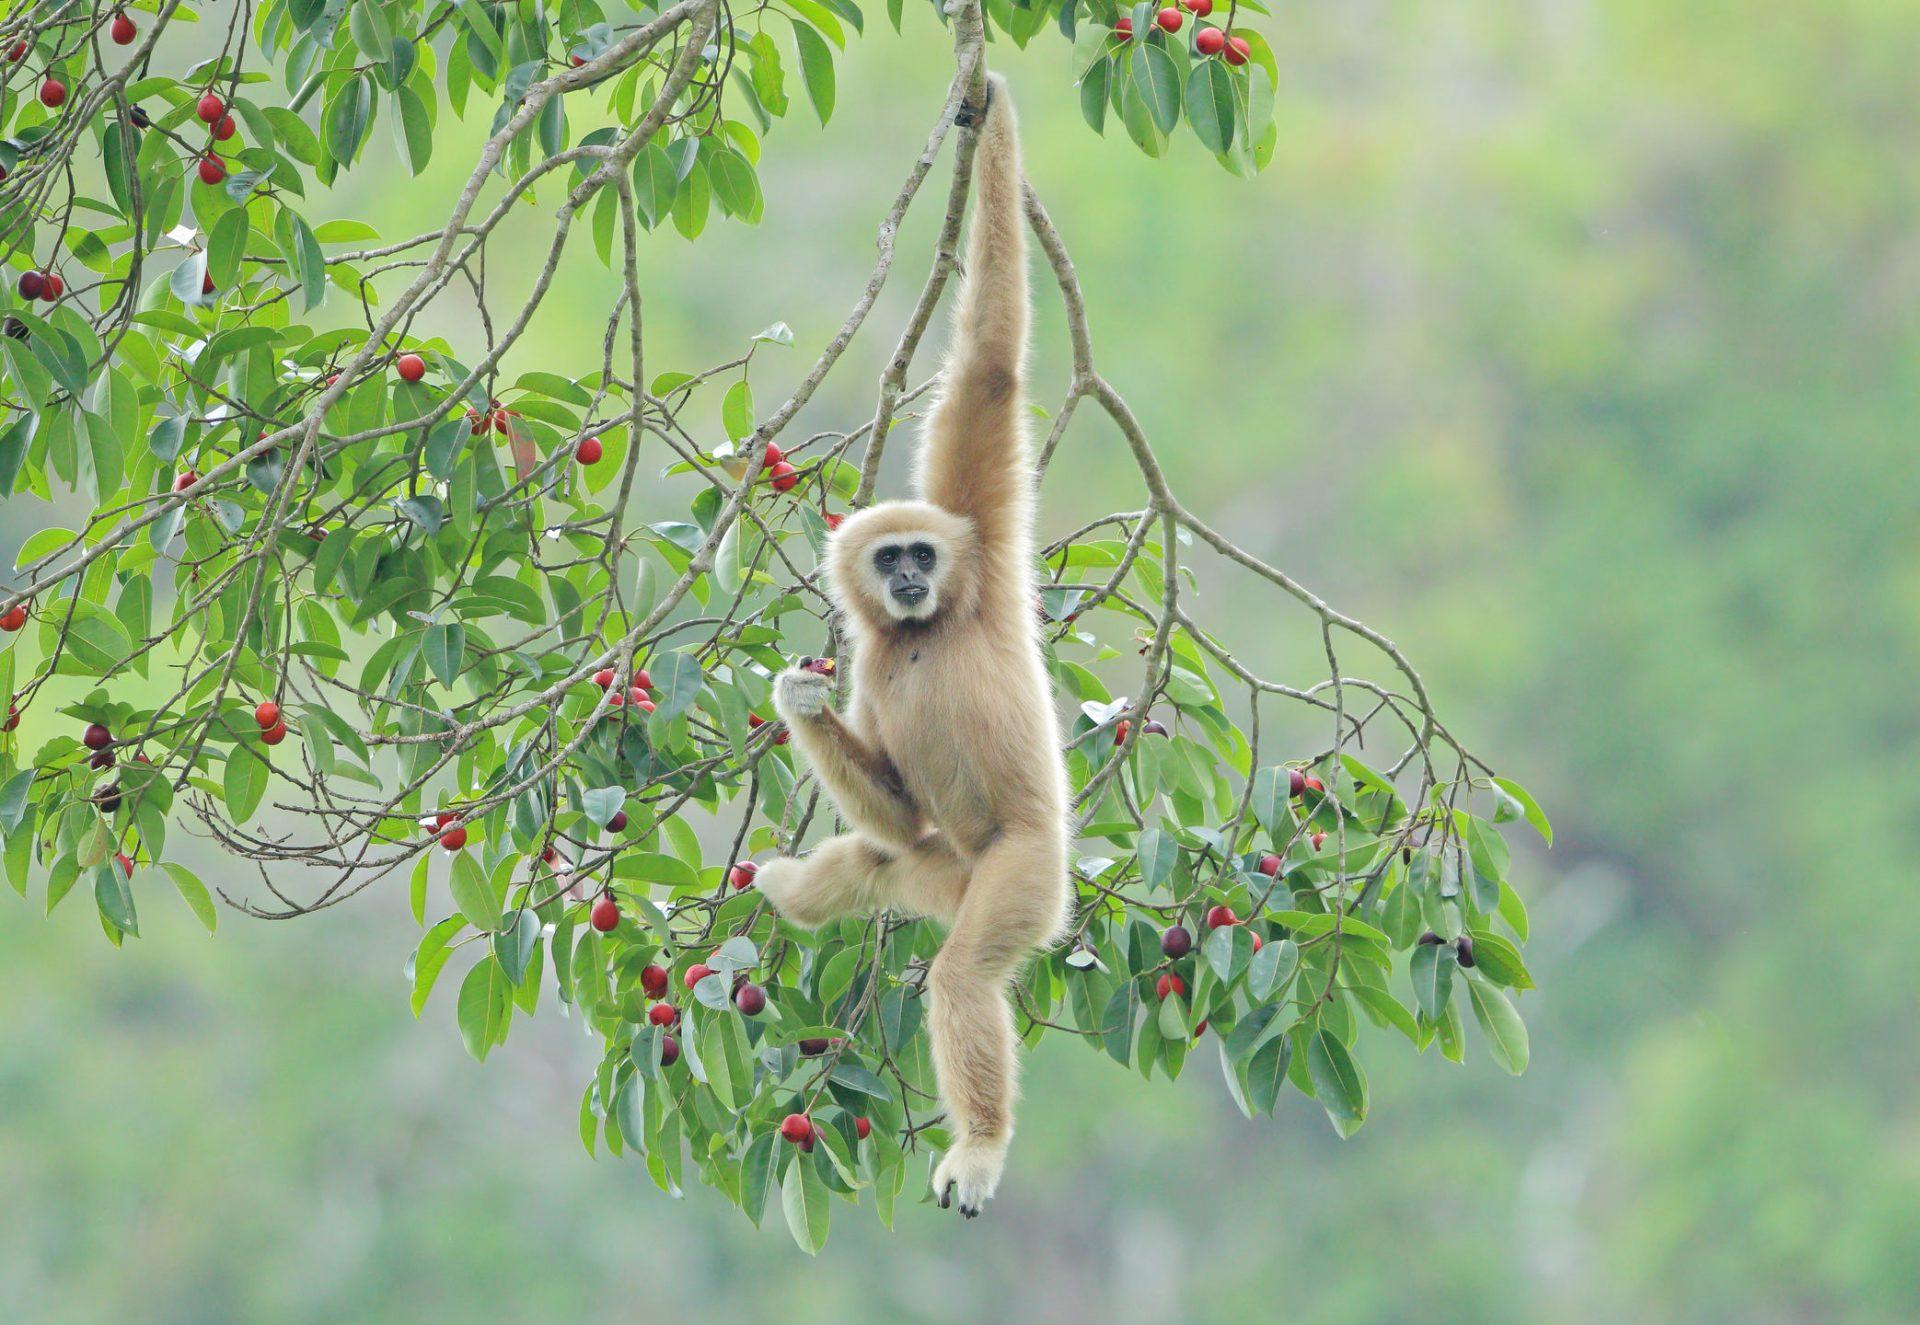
(908, 570)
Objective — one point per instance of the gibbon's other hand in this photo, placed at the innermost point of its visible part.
(969, 114)
(799, 694)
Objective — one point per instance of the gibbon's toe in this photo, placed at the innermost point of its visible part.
(968, 1175)
(799, 694)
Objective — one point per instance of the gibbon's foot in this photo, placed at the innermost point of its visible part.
(967, 1176)
(969, 115)
(777, 880)
(800, 694)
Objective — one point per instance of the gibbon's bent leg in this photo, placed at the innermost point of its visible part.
(861, 780)
(1009, 910)
(973, 459)
(852, 874)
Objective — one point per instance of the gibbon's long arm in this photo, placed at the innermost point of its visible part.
(860, 779)
(974, 461)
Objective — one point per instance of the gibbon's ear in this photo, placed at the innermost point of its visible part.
(861, 588)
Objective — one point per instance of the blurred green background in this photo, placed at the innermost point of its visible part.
(1573, 345)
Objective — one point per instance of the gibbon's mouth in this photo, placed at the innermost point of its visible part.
(914, 602)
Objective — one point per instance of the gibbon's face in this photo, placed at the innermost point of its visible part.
(902, 562)
(907, 571)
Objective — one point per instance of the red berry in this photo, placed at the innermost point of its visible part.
(13, 618)
(695, 974)
(797, 1127)
(52, 92)
(1124, 27)
(1296, 782)
(1169, 19)
(663, 1014)
(751, 1000)
(1314, 784)
(211, 107)
(603, 678)
(223, 128)
(212, 169)
(784, 476)
(618, 823)
(588, 452)
(1199, 8)
(1221, 915)
(1237, 49)
(638, 695)
(123, 32)
(125, 862)
(32, 285)
(773, 457)
(605, 914)
(1176, 941)
(53, 287)
(1256, 943)
(617, 699)
(1120, 732)
(13, 718)
(641, 679)
(813, 1048)
(19, 51)
(1269, 865)
(206, 283)
(1154, 727)
(96, 737)
(862, 1128)
(834, 520)
(476, 422)
(278, 733)
(1169, 984)
(411, 367)
(454, 838)
(1318, 838)
(1209, 41)
(500, 424)
(445, 817)
(653, 979)
(577, 60)
(669, 1051)
(644, 705)
(742, 874)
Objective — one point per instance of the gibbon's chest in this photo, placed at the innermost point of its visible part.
(925, 710)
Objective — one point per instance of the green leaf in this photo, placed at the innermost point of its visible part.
(1210, 105)
(245, 782)
(1337, 1082)
(484, 1007)
(816, 68)
(473, 892)
(1272, 967)
(445, 648)
(113, 892)
(194, 893)
(676, 684)
(803, 1196)
(515, 944)
(1506, 1033)
(736, 410)
(1093, 93)
(1159, 854)
(1156, 79)
(1534, 815)
(1432, 966)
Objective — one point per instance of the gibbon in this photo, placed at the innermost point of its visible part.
(947, 764)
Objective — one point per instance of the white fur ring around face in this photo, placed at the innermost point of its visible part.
(799, 694)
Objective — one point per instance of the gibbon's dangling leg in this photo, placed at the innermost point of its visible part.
(1006, 914)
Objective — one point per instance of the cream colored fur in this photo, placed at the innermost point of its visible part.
(948, 764)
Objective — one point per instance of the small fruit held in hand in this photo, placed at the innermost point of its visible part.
(589, 451)
(96, 737)
(742, 875)
(695, 974)
(751, 1000)
(211, 107)
(605, 915)
(1221, 915)
(411, 367)
(818, 666)
(1169, 984)
(1176, 941)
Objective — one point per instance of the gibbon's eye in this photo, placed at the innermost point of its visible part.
(922, 556)
(887, 558)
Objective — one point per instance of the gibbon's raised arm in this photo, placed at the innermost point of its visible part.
(974, 460)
